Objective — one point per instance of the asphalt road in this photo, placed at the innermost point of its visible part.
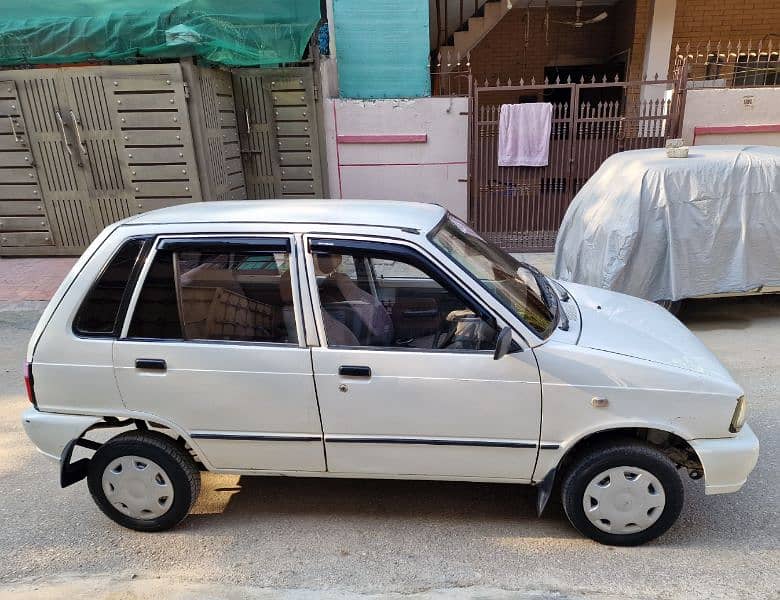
(308, 538)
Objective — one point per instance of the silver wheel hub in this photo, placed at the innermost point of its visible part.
(137, 487)
(624, 500)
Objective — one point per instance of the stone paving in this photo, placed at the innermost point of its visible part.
(23, 279)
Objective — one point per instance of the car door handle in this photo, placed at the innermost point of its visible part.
(156, 364)
(354, 371)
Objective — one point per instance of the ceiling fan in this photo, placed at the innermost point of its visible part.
(579, 23)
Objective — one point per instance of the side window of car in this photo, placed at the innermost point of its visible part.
(99, 313)
(398, 302)
(156, 313)
(217, 293)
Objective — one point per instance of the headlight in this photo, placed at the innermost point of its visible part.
(740, 414)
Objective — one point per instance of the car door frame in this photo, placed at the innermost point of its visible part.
(199, 442)
(475, 296)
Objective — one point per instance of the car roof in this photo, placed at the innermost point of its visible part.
(381, 213)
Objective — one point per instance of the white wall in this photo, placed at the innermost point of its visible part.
(422, 172)
(736, 106)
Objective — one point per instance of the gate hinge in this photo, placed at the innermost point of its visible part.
(316, 91)
(186, 91)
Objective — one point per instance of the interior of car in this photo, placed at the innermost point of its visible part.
(390, 303)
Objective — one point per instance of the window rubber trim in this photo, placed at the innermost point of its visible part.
(249, 245)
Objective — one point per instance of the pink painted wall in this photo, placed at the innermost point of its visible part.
(412, 150)
(732, 107)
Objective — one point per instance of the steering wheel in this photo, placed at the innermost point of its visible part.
(438, 341)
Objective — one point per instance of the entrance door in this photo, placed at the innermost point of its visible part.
(213, 346)
(279, 132)
(102, 143)
(406, 380)
(58, 164)
(23, 221)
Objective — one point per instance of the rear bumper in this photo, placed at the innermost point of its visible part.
(51, 432)
(727, 461)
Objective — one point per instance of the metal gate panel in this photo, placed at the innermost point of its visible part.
(280, 143)
(293, 96)
(256, 136)
(152, 133)
(97, 147)
(216, 136)
(23, 218)
(521, 208)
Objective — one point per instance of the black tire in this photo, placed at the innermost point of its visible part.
(623, 453)
(672, 306)
(178, 465)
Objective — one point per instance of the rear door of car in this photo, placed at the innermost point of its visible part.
(213, 343)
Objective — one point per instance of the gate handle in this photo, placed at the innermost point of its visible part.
(248, 125)
(64, 135)
(78, 132)
(17, 139)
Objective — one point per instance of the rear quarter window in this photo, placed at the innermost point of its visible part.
(99, 313)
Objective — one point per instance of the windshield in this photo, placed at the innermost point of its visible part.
(513, 283)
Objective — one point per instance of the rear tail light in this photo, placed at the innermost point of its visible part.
(28, 383)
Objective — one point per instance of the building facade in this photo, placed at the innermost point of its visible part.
(418, 144)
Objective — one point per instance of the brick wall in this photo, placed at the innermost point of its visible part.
(697, 21)
(503, 52)
(701, 20)
(641, 23)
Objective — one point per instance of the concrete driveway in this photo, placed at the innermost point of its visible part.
(307, 538)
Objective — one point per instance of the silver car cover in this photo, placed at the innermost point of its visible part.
(670, 228)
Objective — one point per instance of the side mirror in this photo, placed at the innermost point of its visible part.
(503, 343)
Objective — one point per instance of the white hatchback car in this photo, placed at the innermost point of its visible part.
(368, 339)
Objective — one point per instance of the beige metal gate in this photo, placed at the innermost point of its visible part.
(215, 131)
(521, 208)
(105, 143)
(23, 219)
(83, 147)
(279, 132)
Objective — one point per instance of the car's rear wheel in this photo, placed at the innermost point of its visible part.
(143, 480)
(623, 494)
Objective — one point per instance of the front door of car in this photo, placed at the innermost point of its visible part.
(212, 346)
(405, 375)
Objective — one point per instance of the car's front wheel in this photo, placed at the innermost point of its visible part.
(623, 494)
(143, 480)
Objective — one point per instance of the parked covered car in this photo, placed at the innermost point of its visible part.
(368, 339)
(665, 229)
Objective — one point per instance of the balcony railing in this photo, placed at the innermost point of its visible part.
(731, 64)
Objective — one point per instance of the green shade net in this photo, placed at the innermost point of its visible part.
(227, 32)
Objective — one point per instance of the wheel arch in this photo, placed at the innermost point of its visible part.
(73, 472)
(671, 443)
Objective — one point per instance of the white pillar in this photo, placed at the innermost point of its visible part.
(658, 43)
(658, 52)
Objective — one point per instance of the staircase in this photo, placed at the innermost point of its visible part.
(458, 45)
